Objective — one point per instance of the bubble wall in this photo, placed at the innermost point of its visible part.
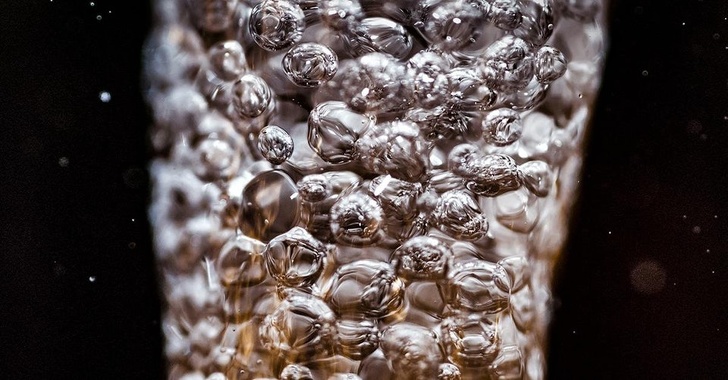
(359, 189)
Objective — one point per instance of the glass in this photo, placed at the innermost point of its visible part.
(351, 189)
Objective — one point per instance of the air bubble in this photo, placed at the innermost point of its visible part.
(399, 202)
(508, 64)
(275, 144)
(422, 258)
(550, 64)
(458, 214)
(508, 364)
(454, 25)
(356, 219)
(373, 83)
(241, 263)
(365, 288)
(512, 274)
(470, 341)
(537, 177)
(333, 129)
(356, 338)
(340, 15)
(448, 371)
(252, 96)
(269, 205)
(412, 351)
(394, 148)
(505, 14)
(227, 59)
(491, 175)
(295, 259)
(471, 287)
(468, 91)
(301, 329)
(277, 24)
(296, 372)
(538, 21)
(502, 127)
(310, 64)
(378, 34)
(214, 15)
(314, 188)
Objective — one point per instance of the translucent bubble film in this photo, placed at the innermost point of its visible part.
(361, 189)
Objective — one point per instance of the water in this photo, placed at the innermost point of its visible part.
(352, 189)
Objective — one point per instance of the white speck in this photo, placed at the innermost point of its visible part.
(92, 278)
(713, 272)
(610, 232)
(707, 251)
(92, 4)
(105, 96)
(294, 196)
(683, 24)
(63, 162)
(645, 73)
(132, 220)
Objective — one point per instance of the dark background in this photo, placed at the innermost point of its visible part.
(642, 292)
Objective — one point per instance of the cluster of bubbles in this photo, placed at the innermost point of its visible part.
(358, 189)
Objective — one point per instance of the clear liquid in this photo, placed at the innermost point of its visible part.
(352, 189)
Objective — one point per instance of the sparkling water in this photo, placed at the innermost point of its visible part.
(361, 189)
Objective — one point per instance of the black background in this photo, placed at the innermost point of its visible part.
(74, 192)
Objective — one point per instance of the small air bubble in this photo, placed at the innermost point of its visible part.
(696, 229)
(92, 278)
(645, 73)
(98, 17)
(104, 96)
(132, 245)
(648, 277)
(716, 36)
(63, 162)
(92, 4)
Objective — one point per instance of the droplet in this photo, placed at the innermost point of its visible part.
(469, 340)
(296, 372)
(454, 25)
(505, 14)
(269, 207)
(295, 259)
(471, 287)
(378, 34)
(227, 59)
(275, 144)
(458, 214)
(550, 64)
(333, 129)
(365, 288)
(356, 338)
(252, 96)
(310, 64)
(502, 127)
(412, 351)
(277, 24)
(422, 258)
